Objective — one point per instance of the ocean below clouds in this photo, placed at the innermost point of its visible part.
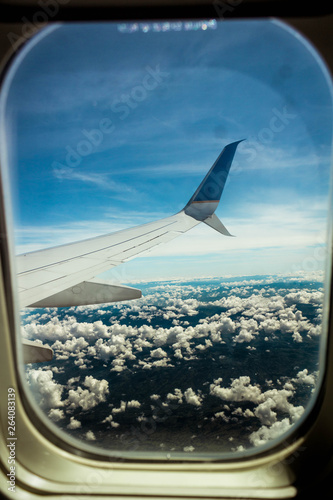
(207, 366)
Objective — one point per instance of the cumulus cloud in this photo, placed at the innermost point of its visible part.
(116, 346)
(109, 420)
(74, 424)
(248, 330)
(261, 312)
(223, 416)
(155, 397)
(90, 436)
(118, 365)
(133, 404)
(73, 345)
(264, 412)
(56, 414)
(241, 389)
(265, 433)
(192, 398)
(187, 307)
(95, 393)
(305, 377)
(269, 313)
(121, 408)
(158, 353)
(268, 402)
(46, 391)
(155, 333)
(176, 396)
(53, 330)
(304, 297)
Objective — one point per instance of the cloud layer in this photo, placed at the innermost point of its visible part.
(199, 359)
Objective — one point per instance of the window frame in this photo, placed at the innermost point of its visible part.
(274, 473)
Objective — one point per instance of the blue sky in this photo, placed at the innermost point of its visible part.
(109, 129)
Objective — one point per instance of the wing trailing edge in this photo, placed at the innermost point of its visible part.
(89, 292)
(36, 353)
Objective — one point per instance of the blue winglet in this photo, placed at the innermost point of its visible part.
(205, 200)
(211, 187)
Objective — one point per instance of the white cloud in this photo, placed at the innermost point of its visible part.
(72, 381)
(72, 345)
(264, 412)
(56, 414)
(90, 436)
(46, 391)
(178, 354)
(268, 404)
(192, 398)
(297, 337)
(133, 404)
(177, 396)
(260, 312)
(280, 398)
(315, 330)
(121, 408)
(53, 330)
(118, 365)
(243, 336)
(109, 420)
(296, 412)
(240, 390)
(88, 398)
(154, 397)
(265, 433)
(188, 449)
(74, 424)
(304, 297)
(184, 307)
(305, 378)
(158, 353)
(269, 325)
(222, 415)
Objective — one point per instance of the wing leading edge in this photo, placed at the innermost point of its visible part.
(63, 276)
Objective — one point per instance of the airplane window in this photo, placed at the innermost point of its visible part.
(189, 162)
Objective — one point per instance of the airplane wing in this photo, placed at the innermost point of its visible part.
(64, 275)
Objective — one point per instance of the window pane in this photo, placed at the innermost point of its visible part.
(109, 126)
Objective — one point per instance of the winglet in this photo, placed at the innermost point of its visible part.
(206, 198)
(214, 222)
(211, 188)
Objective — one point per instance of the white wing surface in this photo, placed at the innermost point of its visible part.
(44, 275)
